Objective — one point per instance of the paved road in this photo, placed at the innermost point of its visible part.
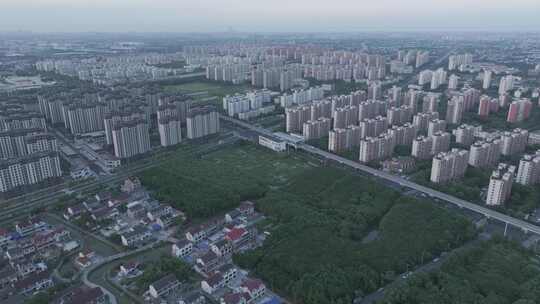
(51, 197)
(107, 260)
(84, 232)
(525, 226)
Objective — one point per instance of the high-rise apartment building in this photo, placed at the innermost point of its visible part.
(375, 90)
(373, 127)
(376, 148)
(113, 117)
(345, 116)
(448, 166)
(404, 135)
(421, 147)
(315, 129)
(514, 142)
(441, 142)
(170, 131)
(340, 140)
(438, 78)
(411, 98)
(371, 109)
(321, 108)
(529, 170)
(29, 170)
(202, 122)
(465, 134)
(23, 142)
(421, 120)
(500, 185)
(430, 102)
(453, 82)
(85, 117)
(486, 79)
(422, 57)
(399, 115)
(484, 106)
(337, 140)
(455, 109)
(519, 110)
(436, 125)
(131, 138)
(484, 154)
(18, 121)
(507, 84)
(425, 77)
(295, 118)
(40, 143)
(456, 61)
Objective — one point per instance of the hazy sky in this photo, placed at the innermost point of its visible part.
(266, 15)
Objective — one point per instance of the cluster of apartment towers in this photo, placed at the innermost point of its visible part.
(362, 120)
(126, 121)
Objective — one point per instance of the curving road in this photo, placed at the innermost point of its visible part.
(110, 259)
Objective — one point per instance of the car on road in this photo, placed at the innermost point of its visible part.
(406, 275)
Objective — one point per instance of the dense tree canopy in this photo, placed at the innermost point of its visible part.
(497, 272)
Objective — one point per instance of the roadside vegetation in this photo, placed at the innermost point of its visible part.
(495, 272)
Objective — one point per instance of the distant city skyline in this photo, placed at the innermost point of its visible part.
(272, 16)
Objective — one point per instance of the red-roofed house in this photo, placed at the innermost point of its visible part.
(254, 287)
(236, 234)
(235, 298)
(239, 237)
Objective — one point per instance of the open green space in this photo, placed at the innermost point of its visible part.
(319, 218)
(214, 89)
(495, 272)
(218, 182)
(172, 65)
(340, 86)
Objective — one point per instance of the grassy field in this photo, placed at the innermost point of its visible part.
(219, 181)
(214, 89)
